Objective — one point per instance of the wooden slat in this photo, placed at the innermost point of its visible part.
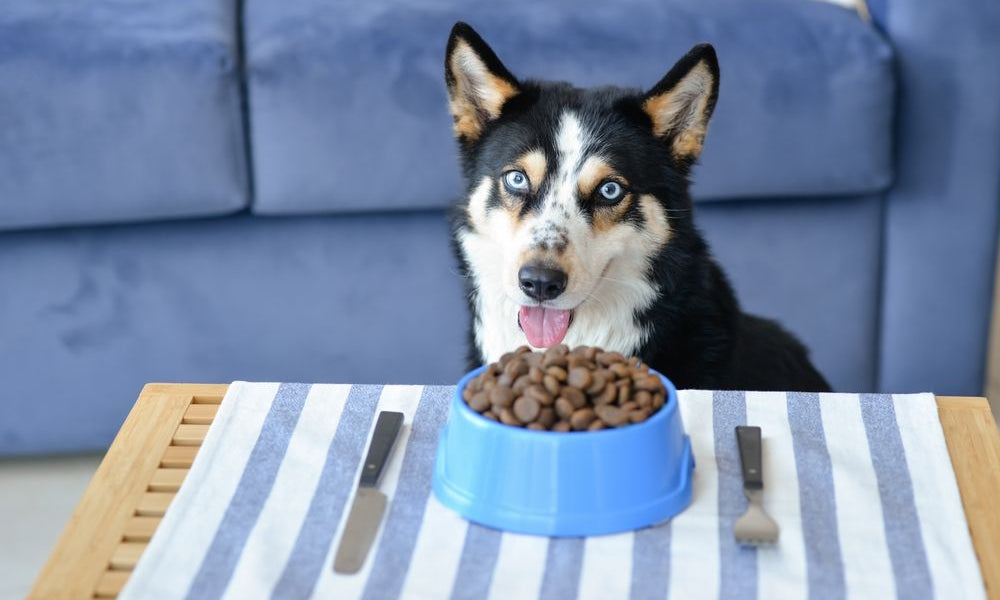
(153, 504)
(193, 390)
(974, 446)
(94, 531)
(141, 529)
(178, 457)
(167, 480)
(111, 583)
(190, 435)
(200, 414)
(208, 399)
(126, 555)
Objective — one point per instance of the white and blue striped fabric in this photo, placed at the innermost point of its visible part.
(861, 485)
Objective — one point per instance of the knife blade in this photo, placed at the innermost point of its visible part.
(369, 503)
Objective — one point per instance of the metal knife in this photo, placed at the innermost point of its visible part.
(369, 504)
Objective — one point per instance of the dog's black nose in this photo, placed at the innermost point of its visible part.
(542, 283)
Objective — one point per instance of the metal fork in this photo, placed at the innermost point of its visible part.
(755, 527)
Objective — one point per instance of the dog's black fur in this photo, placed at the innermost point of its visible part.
(699, 336)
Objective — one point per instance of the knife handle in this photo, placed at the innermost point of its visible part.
(386, 430)
(748, 439)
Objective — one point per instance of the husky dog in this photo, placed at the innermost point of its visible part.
(577, 225)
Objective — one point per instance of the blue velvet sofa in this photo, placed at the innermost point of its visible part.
(210, 190)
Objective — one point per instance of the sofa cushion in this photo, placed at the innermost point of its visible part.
(96, 312)
(348, 112)
(115, 111)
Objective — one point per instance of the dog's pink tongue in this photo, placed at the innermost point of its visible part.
(543, 327)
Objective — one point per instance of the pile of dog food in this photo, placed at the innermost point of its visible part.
(585, 389)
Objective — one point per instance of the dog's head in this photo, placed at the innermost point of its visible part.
(572, 193)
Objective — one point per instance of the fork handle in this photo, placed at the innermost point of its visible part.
(748, 439)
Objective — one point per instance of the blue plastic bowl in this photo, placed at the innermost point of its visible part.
(563, 484)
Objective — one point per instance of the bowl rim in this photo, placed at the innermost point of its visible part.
(664, 413)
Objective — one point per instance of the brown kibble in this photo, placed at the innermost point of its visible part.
(551, 385)
(507, 416)
(579, 378)
(624, 392)
(505, 359)
(638, 416)
(608, 396)
(650, 383)
(596, 425)
(581, 418)
(526, 409)
(521, 384)
(597, 383)
(612, 416)
(547, 417)
(553, 359)
(501, 397)
(540, 395)
(575, 396)
(558, 373)
(515, 369)
(620, 371)
(559, 389)
(564, 408)
(480, 401)
(610, 358)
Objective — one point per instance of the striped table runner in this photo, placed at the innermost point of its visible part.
(861, 485)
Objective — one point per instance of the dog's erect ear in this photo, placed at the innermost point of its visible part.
(682, 102)
(478, 83)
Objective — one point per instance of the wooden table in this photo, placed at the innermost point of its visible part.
(155, 447)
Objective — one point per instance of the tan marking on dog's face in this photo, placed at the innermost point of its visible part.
(475, 91)
(533, 164)
(595, 171)
(607, 217)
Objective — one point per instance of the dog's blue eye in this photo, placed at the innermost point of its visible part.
(612, 191)
(516, 181)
